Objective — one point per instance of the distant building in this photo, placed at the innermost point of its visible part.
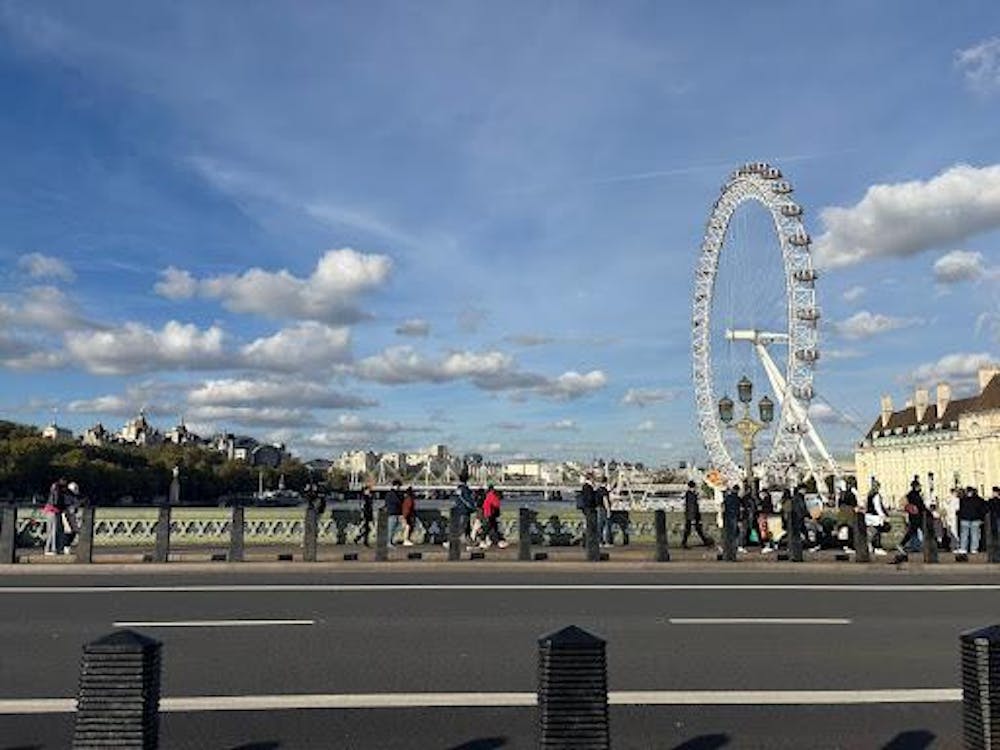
(97, 435)
(181, 435)
(138, 431)
(357, 462)
(955, 440)
(54, 432)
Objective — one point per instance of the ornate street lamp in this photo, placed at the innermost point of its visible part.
(746, 427)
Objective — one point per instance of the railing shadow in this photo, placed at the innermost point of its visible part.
(483, 743)
(704, 742)
(269, 745)
(917, 739)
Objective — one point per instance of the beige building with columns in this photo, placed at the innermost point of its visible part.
(955, 440)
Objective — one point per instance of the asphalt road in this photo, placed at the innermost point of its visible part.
(437, 630)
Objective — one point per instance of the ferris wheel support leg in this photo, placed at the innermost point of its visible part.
(779, 385)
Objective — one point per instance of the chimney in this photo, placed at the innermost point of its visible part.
(886, 410)
(921, 398)
(986, 374)
(943, 399)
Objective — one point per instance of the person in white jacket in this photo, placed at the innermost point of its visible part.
(875, 518)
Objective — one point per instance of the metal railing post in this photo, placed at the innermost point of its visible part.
(236, 534)
(8, 535)
(660, 521)
(310, 530)
(381, 535)
(85, 543)
(162, 552)
(861, 551)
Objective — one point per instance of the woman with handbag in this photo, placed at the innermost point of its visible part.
(876, 519)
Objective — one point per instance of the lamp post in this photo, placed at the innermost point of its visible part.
(746, 427)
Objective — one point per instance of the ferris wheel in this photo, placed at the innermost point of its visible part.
(755, 291)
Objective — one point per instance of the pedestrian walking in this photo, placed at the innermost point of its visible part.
(408, 511)
(464, 507)
(367, 514)
(491, 516)
(53, 511)
(604, 512)
(731, 517)
(971, 514)
(848, 510)
(748, 519)
(765, 508)
(394, 509)
(876, 518)
(692, 517)
(915, 510)
(949, 518)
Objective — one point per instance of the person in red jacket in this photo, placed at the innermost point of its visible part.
(491, 514)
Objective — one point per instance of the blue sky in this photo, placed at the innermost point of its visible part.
(393, 224)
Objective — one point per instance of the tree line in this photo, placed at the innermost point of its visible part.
(107, 474)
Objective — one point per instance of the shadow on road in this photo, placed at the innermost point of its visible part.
(23, 747)
(917, 739)
(484, 743)
(704, 742)
(270, 745)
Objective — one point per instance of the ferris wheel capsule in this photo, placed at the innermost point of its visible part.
(781, 188)
(801, 239)
(791, 209)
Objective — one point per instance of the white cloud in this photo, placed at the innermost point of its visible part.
(958, 266)
(647, 425)
(138, 348)
(864, 325)
(854, 293)
(18, 353)
(643, 397)
(529, 339)
(897, 220)
(981, 65)
(39, 266)
(350, 431)
(253, 416)
(44, 307)
(304, 346)
(571, 385)
(176, 284)
(563, 425)
(490, 370)
(510, 426)
(959, 368)
(276, 393)
(328, 295)
(413, 327)
(825, 414)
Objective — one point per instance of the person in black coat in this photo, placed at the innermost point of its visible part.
(915, 510)
(394, 508)
(367, 515)
(692, 517)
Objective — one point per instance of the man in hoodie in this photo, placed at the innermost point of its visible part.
(692, 517)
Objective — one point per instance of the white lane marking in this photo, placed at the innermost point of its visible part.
(206, 623)
(759, 621)
(472, 587)
(491, 700)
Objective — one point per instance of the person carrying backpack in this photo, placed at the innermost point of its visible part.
(915, 510)
(408, 511)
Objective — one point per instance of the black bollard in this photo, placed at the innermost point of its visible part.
(930, 548)
(8, 535)
(524, 534)
(981, 688)
(795, 535)
(660, 521)
(381, 535)
(591, 541)
(119, 697)
(85, 542)
(162, 552)
(455, 529)
(236, 534)
(572, 690)
(310, 528)
(861, 551)
(992, 534)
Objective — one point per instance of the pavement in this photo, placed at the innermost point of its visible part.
(438, 655)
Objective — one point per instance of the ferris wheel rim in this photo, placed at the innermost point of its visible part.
(764, 184)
